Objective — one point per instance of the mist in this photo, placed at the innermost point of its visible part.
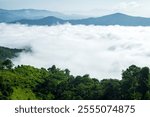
(101, 51)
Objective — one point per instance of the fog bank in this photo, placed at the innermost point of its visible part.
(101, 51)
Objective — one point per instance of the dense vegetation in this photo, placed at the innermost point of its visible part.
(8, 53)
(30, 83)
(27, 82)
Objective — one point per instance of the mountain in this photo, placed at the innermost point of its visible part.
(13, 15)
(115, 19)
(44, 21)
(112, 19)
(45, 17)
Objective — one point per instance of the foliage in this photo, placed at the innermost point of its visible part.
(8, 53)
(30, 83)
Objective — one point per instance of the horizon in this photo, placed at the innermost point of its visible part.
(91, 8)
(74, 14)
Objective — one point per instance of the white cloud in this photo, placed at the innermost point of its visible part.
(101, 51)
(127, 6)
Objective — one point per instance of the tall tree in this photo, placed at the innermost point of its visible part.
(144, 82)
(129, 83)
(7, 64)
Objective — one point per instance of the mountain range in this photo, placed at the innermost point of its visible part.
(13, 15)
(43, 17)
(113, 19)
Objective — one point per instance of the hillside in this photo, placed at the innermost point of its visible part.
(8, 53)
(30, 83)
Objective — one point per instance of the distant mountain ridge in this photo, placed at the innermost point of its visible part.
(112, 19)
(50, 20)
(13, 15)
(44, 17)
(115, 19)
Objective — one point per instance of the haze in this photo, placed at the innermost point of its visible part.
(83, 7)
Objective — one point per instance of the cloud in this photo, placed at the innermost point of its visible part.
(127, 6)
(101, 51)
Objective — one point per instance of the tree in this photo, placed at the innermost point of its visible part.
(7, 64)
(45, 89)
(129, 83)
(111, 89)
(53, 69)
(67, 71)
(1, 66)
(144, 82)
(5, 89)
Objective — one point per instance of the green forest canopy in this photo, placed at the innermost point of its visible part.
(30, 83)
(8, 53)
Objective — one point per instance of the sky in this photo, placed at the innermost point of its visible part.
(83, 7)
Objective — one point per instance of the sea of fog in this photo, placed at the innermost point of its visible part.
(101, 51)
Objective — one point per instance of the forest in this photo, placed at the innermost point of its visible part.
(8, 53)
(24, 82)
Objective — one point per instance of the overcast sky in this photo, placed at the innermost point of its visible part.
(84, 7)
